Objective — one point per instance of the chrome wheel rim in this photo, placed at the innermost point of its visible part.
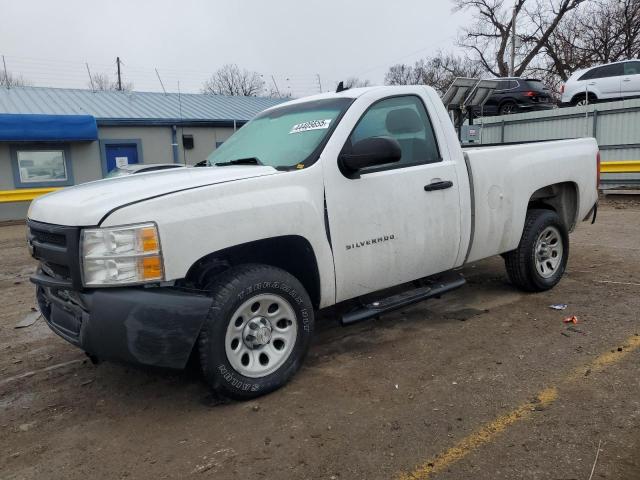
(548, 252)
(508, 109)
(581, 103)
(261, 335)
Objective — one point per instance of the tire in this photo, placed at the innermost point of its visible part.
(247, 347)
(581, 100)
(537, 271)
(508, 108)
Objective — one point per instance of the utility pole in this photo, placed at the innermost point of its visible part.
(513, 40)
(319, 82)
(119, 77)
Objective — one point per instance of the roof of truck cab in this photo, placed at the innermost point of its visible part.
(352, 93)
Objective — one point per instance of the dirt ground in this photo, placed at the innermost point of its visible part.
(447, 389)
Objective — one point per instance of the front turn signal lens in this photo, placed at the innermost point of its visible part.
(150, 268)
(148, 239)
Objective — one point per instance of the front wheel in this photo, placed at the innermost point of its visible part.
(541, 257)
(583, 101)
(257, 333)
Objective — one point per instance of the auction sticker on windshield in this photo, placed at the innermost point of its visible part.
(311, 125)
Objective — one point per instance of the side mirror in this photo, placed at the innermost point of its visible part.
(370, 152)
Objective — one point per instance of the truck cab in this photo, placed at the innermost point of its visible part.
(314, 202)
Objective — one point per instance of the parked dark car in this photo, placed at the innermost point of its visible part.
(515, 95)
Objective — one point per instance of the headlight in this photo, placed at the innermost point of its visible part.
(121, 255)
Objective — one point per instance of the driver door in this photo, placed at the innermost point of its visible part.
(386, 228)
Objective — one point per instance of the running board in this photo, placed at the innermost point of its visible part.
(403, 299)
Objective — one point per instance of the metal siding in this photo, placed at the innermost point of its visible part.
(617, 125)
(124, 106)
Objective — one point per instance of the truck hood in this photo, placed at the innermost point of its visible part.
(87, 204)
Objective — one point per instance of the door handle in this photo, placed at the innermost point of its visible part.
(626, 80)
(441, 185)
(591, 83)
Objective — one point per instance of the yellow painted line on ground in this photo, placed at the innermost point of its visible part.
(23, 194)
(480, 437)
(625, 166)
(614, 356)
(488, 432)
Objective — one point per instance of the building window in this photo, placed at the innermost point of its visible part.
(41, 166)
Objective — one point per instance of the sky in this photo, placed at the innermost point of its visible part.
(49, 42)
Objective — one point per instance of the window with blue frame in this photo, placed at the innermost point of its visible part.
(41, 166)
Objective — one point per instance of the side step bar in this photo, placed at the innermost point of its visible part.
(403, 299)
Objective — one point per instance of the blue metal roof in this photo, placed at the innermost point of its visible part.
(115, 107)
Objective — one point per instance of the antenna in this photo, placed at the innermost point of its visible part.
(276, 85)
(160, 80)
(341, 88)
(6, 76)
(319, 82)
(93, 88)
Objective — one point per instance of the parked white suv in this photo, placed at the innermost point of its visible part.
(605, 82)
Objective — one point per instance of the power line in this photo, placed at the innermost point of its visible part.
(70, 74)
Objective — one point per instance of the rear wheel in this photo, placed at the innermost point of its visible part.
(508, 108)
(541, 257)
(257, 333)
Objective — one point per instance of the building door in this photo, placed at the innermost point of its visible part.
(119, 155)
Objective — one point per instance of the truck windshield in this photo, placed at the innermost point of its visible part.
(283, 137)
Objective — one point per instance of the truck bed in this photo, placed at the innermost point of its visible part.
(504, 178)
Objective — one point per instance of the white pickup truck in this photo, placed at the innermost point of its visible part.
(314, 202)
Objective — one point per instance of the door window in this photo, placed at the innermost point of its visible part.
(632, 68)
(614, 70)
(406, 120)
(591, 74)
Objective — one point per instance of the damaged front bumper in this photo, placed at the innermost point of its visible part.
(150, 326)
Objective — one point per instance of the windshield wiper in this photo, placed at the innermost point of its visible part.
(240, 161)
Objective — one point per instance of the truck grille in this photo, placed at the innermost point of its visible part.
(56, 247)
(50, 238)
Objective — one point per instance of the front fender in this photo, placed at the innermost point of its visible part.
(197, 222)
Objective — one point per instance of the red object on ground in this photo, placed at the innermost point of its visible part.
(572, 319)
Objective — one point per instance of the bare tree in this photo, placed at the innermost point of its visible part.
(437, 71)
(101, 82)
(402, 74)
(7, 79)
(442, 69)
(354, 82)
(233, 81)
(607, 31)
(491, 34)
